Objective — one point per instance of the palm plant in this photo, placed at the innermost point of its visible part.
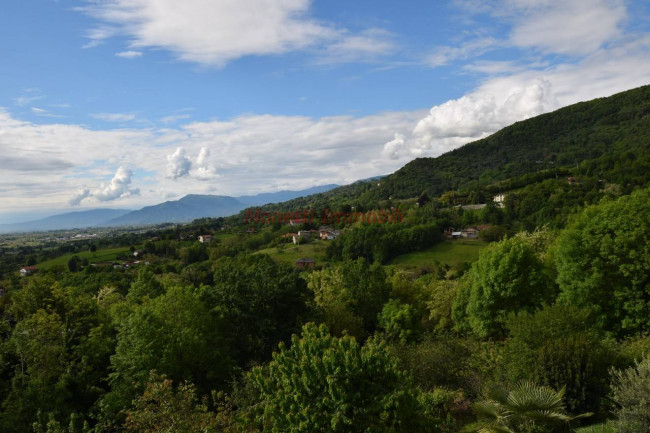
(525, 408)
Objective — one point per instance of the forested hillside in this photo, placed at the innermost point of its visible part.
(412, 303)
(563, 138)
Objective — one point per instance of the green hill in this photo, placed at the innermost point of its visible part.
(603, 142)
(571, 135)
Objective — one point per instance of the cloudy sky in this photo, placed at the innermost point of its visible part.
(126, 103)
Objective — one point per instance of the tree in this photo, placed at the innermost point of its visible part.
(351, 294)
(525, 408)
(260, 303)
(630, 391)
(163, 408)
(173, 334)
(603, 260)
(328, 384)
(507, 277)
(560, 346)
(400, 321)
(74, 264)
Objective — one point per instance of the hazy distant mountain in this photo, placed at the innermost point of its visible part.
(70, 220)
(194, 206)
(186, 209)
(280, 196)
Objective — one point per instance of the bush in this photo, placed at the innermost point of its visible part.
(559, 346)
(631, 392)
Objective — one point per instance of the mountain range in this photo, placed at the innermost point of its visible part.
(186, 209)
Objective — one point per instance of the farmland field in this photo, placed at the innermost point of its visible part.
(449, 252)
(106, 255)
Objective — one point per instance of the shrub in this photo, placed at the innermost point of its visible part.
(631, 392)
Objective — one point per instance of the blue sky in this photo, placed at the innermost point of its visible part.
(125, 103)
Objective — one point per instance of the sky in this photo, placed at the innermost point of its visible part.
(128, 103)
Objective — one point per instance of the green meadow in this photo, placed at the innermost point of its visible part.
(106, 255)
(448, 252)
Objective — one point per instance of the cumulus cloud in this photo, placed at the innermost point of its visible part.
(217, 32)
(178, 165)
(475, 116)
(79, 196)
(118, 187)
(604, 61)
(204, 169)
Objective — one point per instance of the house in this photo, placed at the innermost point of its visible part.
(288, 237)
(305, 263)
(469, 233)
(28, 270)
(329, 234)
(456, 235)
(205, 239)
(137, 253)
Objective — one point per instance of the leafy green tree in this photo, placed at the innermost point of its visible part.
(74, 264)
(630, 392)
(328, 384)
(352, 293)
(603, 260)
(163, 408)
(441, 301)
(525, 408)
(259, 301)
(507, 277)
(560, 346)
(39, 342)
(173, 334)
(400, 321)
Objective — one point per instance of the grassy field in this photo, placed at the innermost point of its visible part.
(449, 252)
(106, 255)
(290, 253)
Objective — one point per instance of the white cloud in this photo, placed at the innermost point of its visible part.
(368, 46)
(43, 112)
(79, 196)
(575, 27)
(216, 32)
(173, 118)
(178, 165)
(114, 117)
(503, 100)
(129, 54)
(118, 187)
(25, 100)
(204, 169)
(445, 54)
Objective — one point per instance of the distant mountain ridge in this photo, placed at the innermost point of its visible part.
(186, 209)
(70, 220)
